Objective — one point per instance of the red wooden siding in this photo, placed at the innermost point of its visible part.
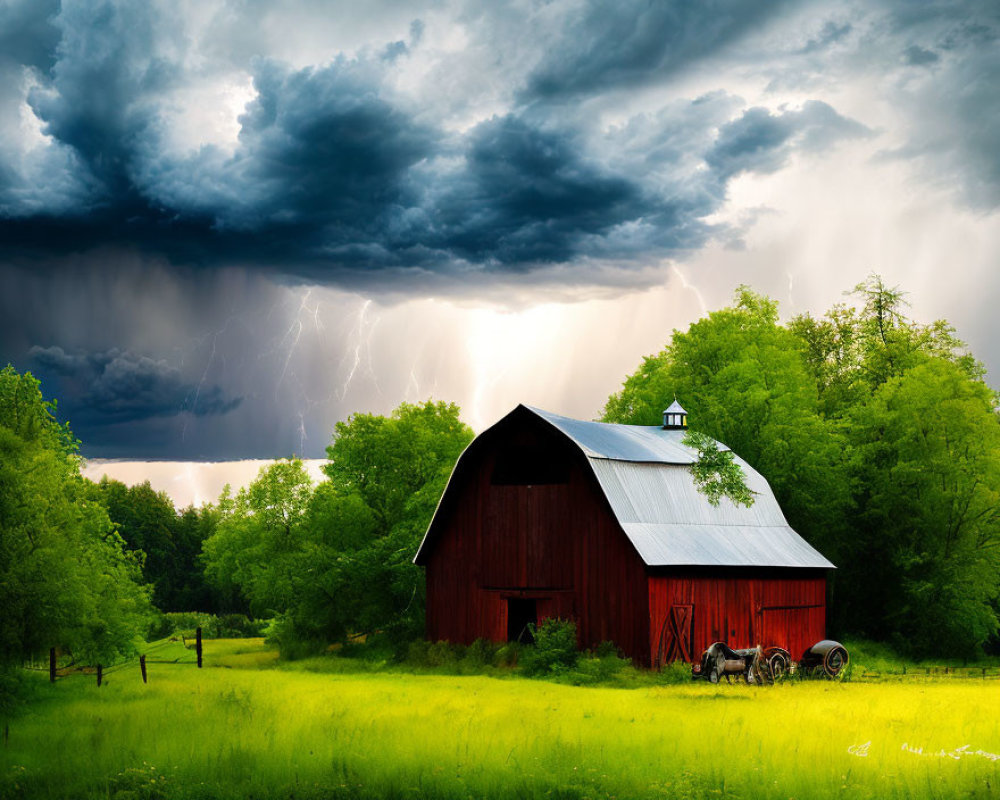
(556, 543)
(743, 610)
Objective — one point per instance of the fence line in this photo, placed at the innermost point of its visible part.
(141, 660)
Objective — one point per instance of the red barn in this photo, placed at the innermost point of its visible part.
(547, 516)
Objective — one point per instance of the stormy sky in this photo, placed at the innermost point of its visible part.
(224, 225)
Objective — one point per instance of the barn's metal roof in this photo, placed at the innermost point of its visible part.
(644, 472)
(649, 443)
(671, 523)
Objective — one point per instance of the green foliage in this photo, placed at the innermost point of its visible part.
(387, 460)
(716, 474)
(335, 561)
(926, 463)
(169, 543)
(224, 626)
(259, 537)
(743, 380)
(555, 648)
(66, 578)
(675, 672)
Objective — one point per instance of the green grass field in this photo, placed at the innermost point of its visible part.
(247, 727)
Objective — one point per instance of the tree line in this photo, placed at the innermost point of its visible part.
(877, 433)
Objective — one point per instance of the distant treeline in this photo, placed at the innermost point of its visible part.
(878, 435)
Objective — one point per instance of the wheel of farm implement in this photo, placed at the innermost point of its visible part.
(778, 663)
(834, 661)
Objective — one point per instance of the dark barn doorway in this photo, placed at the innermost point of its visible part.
(520, 612)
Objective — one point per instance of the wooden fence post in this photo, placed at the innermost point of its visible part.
(142, 667)
(100, 674)
(52, 665)
(197, 645)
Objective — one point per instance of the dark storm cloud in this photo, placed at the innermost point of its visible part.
(936, 64)
(335, 172)
(115, 386)
(316, 146)
(831, 33)
(526, 196)
(27, 35)
(919, 56)
(610, 44)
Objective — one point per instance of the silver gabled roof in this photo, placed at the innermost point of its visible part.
(647, 443)
(644, 472)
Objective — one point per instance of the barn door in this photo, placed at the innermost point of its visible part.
(675, 638)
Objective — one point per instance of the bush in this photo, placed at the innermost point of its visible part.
(291, 645)
(554, 649)
(481, 653)
(508, 654)
(184, 623)
(676, 672)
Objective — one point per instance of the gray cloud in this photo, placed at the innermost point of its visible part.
(607, 44)
(116, 386)
(953, 95)
(759, 141)
(336, 171)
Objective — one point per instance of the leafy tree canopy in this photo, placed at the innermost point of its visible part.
(337, 560)
(66, 578)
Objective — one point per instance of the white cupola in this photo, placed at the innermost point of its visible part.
(675, 417)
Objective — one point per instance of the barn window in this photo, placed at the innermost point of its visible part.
(529, 465)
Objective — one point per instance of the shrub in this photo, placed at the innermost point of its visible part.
(508, 654)
(675, 672)
(481, 653)
(435, 654)
(291, 645)
(554, 649)
(228, 626)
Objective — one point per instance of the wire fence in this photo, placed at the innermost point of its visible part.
(925, 673)
(162, 648)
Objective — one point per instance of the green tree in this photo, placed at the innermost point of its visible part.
(338, 560)
(851, 352)
(169, 541)
(258, 537)
(926, 475)
(387, 460)
(66, 578)
(146, 521)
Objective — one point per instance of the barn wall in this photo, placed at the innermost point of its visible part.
(777, 607)
(556, 543)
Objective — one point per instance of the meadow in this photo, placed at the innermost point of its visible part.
(248, 726)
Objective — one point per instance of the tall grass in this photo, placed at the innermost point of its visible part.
(249, 731)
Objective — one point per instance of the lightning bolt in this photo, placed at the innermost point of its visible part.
(198, 341)
(690, 287)
(361, 350)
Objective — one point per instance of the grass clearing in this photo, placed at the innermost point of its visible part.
(240, 728)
